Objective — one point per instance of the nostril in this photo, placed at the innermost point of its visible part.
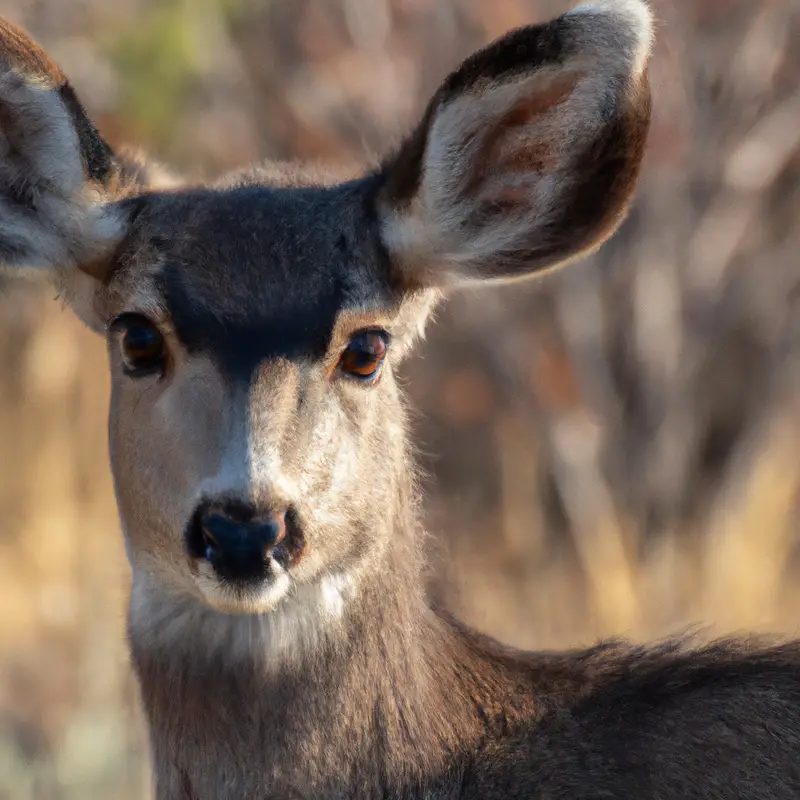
(237, 546)
(269, 533)
(209, 541)
(279, 528)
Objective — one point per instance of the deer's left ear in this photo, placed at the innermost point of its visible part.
(528, 154)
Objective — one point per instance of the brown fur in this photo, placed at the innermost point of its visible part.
(529, 178)
(331, 676)
(27, 57)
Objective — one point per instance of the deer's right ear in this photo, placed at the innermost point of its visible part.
(528, 154)
(58, 177)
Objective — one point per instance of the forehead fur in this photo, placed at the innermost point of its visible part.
(252, 271)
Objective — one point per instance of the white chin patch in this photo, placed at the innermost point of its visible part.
(259, 599)
(278, 621)
(335, 591)
(325, 599)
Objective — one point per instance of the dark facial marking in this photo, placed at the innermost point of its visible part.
(260, 275)
(239, 346)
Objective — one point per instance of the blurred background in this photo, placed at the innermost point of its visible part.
(610, 450)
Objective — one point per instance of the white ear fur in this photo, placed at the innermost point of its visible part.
(505, 151)
(50, 216)
(633, 16)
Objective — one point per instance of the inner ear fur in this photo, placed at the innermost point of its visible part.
(60, 181)
(527, 155)
(21, 54)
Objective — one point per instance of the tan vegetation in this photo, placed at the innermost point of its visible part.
(611, 451)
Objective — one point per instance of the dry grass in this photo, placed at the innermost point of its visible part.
(612, 452)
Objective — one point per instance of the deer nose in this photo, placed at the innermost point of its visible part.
(236, 544)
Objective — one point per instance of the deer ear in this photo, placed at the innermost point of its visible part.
(57, 175)
(528, 154)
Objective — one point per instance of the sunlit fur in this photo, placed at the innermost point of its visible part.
(334, 677)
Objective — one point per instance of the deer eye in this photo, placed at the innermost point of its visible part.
(363, 357)
(141, 343)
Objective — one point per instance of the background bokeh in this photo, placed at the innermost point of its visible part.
(610, 450)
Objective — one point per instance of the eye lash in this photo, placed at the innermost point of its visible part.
(382, 332)
(115, 323)
(120, 319)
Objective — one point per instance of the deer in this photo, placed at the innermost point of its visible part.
(278, 623)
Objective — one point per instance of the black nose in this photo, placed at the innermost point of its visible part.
(235, 541)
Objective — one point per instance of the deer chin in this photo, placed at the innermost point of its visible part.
(259, 596)
(272, 626)
(326, 596)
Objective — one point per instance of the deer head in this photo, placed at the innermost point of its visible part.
(255, 325)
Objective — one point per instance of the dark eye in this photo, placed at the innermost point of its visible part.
(364, 355)
(141, 343)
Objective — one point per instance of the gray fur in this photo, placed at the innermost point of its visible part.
(334, 677)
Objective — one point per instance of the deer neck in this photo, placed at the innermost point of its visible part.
(307, 700)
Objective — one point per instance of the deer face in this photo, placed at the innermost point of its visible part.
(254, 327)
(256, 427)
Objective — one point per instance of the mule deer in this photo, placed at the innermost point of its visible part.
(278, 624)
